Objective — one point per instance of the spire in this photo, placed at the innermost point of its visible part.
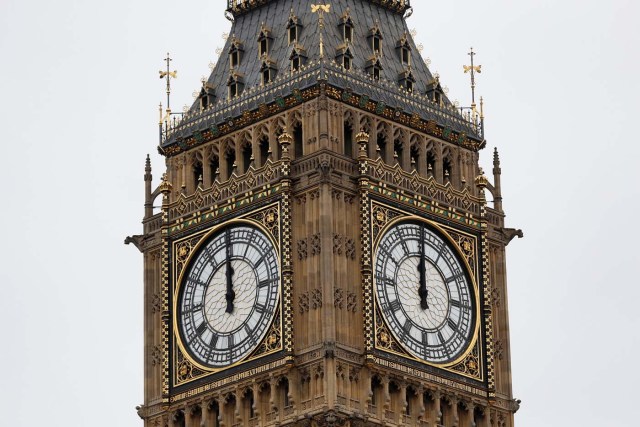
(148, 178)
(497, 197)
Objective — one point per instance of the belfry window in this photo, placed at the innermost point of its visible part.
(407, 80)
(235, 53)
(404, 49)
(235, 84)
(348, 33)
(267, 72)
(405, 53)
(375, 37)
(346, 27)
(293, 28)
(297, 58)
(234, 58)
(264, 41)
(264, 47)
(345, 57)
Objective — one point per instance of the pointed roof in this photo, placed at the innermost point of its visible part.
(250, 18)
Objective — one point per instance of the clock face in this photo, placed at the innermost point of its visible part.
(424, 293)
(228, 296)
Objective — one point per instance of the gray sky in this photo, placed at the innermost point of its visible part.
(78, 113)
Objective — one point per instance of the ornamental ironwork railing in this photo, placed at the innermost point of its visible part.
(309, 75)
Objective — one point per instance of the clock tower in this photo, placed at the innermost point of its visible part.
(325, 254)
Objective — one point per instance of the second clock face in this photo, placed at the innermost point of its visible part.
(228, 296)
(424, 293)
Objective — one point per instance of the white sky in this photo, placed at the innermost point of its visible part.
(78, 113)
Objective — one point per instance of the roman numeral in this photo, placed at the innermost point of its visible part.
(452, 278)
(392, 307)
(261, 308)
(200, 330)
(452, 325)
(407, 327)
(214, 341)
(260, 261)
(267, 282)
(193, 309)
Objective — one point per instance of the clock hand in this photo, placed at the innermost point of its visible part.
(422, 290)
(230, 295)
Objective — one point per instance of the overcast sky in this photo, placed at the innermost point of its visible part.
(78, 113)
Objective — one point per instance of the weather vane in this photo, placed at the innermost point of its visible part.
(168, 75)
(321, 9)
(473, 69)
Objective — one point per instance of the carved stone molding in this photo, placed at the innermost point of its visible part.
(156, 303)
(310, 246)
(156, 355)
(352, 302)
(338, 297)
(316, 299)
(498, 349)
(303, 303)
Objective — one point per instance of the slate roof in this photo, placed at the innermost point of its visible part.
(365, 15)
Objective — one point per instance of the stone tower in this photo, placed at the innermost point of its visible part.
(324, 254)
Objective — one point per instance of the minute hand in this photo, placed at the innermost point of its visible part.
(422, 290)
(230, 295)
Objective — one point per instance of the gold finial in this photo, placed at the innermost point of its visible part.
(362, 137)
(481, 181)
(472, 69)
(165, 185)
(321, 9)
(168, 75)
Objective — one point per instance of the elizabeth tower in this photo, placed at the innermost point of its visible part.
(324, 254)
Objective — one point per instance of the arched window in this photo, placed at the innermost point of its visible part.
(345, 57)
(214, 166)
(293, 28)
(404, 50)
(235, 84)
(264, 150)
(297, 141)
(447, 169)
(230, 160)
(264, 41)
(375, 38)
(398, 150)
(247, 157)
(348, 139)
(197, 172)
(374, 66)
(235, 52)
(382, 146)
(346, 27)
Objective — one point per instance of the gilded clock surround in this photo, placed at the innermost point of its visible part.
(470, 363)
(184, 368)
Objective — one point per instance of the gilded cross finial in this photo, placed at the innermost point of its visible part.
(321, 9)
(168, 75)
(472, 69)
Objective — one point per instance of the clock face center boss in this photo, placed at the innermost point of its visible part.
(425, 293)
(228, 296)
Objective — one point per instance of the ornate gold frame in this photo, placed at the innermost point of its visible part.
(184, 369)
(471, 362)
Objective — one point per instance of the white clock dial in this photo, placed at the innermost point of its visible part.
(229, 296)
(424, 293)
